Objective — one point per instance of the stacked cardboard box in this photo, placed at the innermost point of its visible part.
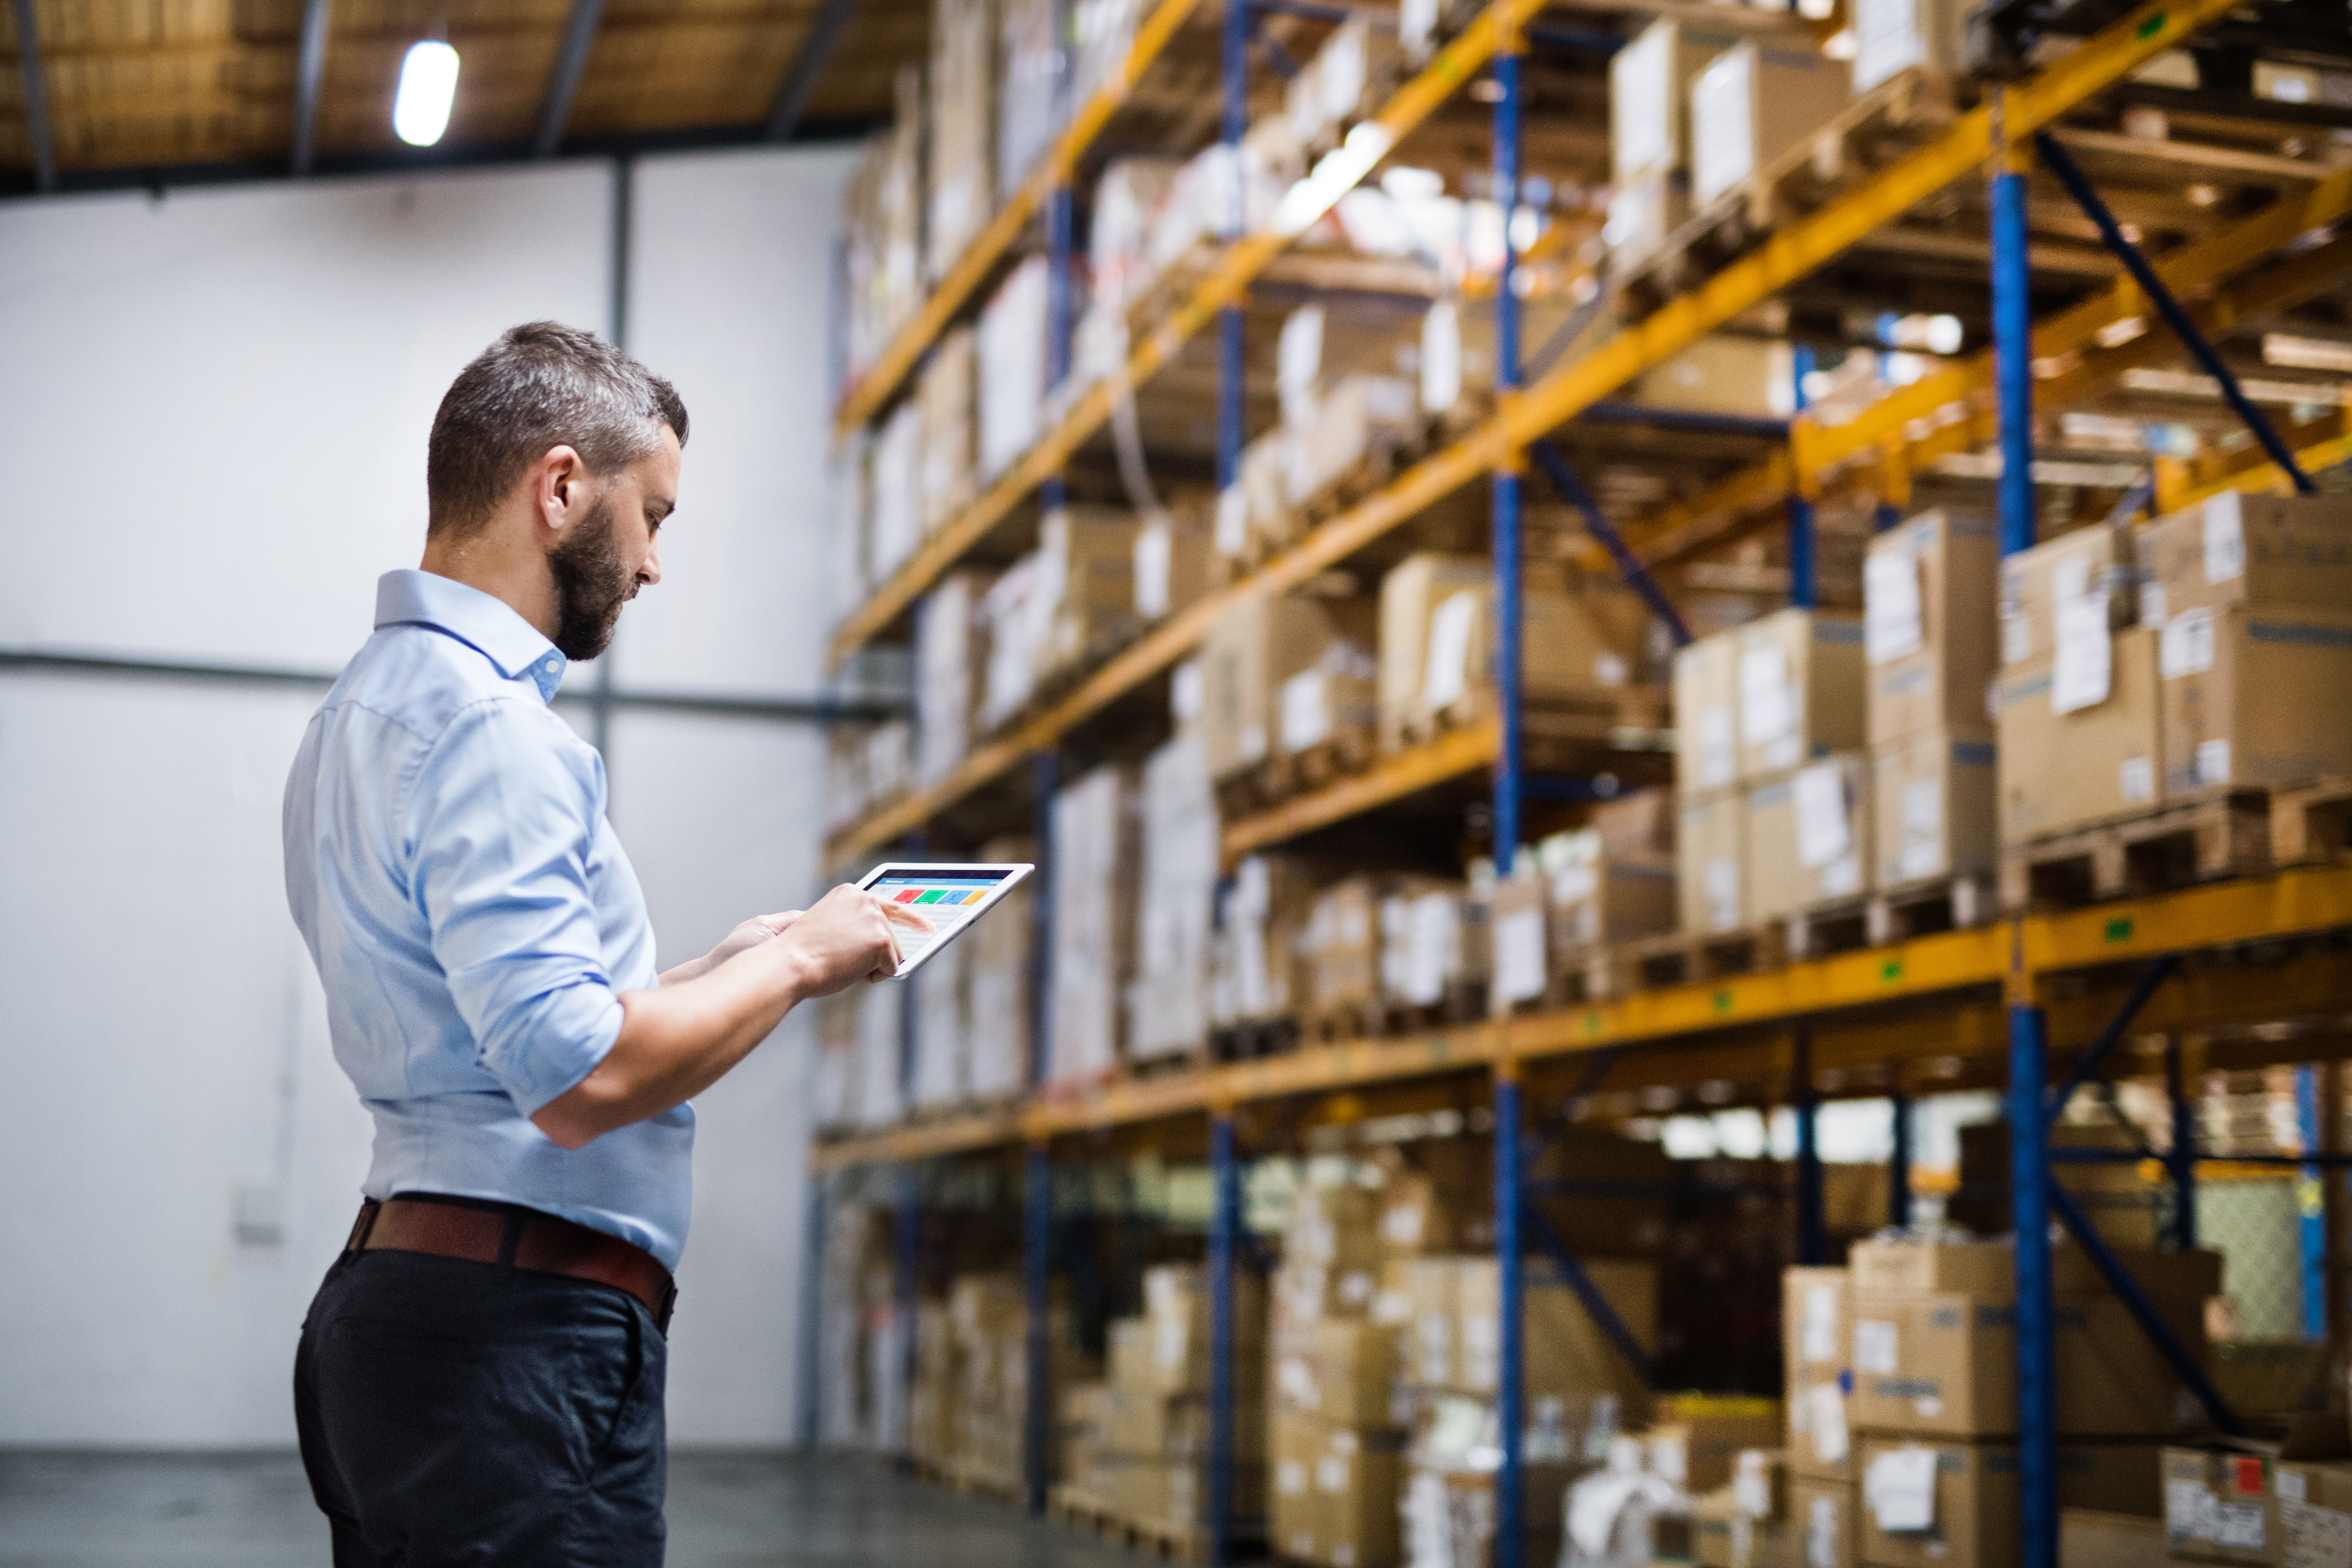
(1435, 951)
(998, 983)
(988, 1322)
(1613, 881)
(931, 1397)
(1770, 770)
(1934, 1391)
(1457, 350)
(1064, 605)
(2077, 681)
(1179, 847)
(1890, 37)
(1176, 563)
(1752, 103)
(2250, 598)
(947, 391)
(963, 130)
(1156, 1444)
(942, 1001)
(1029, 100)
(1650, 82)
(895, 526)
(884, 224)
(1930, 625)
(1581, 643)
(1012, 359)
(2285, 1502)
(1725, 373)
(1096, 845)
(950, 657)
(1257, 977)
(1279, 672)
(1350, 78)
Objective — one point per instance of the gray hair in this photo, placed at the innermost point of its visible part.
(541, 384)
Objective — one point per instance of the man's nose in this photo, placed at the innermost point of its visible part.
(649, 570)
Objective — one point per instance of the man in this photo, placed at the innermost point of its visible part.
(480, 1378)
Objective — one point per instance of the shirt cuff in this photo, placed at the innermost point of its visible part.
(561, 1042)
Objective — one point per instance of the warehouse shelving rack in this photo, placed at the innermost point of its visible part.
(1919, 1016)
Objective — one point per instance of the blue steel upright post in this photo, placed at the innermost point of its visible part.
(1898, 1160)
(1225, 1227)
(2311, 1206)
(1224, 1220)
(1812, 1235)
(2028, 1079)
(1510, 1479)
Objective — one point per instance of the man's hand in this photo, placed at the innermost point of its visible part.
(743, 938)
(850, 935)
(678, 1040)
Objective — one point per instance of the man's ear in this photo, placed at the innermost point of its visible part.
(557, 489)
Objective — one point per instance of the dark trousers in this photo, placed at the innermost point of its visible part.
(454, 1412)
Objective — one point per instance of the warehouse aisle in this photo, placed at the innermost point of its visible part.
(247, 1510)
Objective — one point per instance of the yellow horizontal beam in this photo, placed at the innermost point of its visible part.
(1227, 284)
(989, 245)
(1450, 755)
(2262, 909)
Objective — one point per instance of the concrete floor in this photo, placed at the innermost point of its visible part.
(726, 1511)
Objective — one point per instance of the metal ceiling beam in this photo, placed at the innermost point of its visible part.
(807, 67)
(563, 81)
(310, 72)
(37, 100)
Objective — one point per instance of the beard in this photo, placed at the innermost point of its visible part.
(591, 584)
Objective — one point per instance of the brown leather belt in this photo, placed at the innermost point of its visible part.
(513, 1237)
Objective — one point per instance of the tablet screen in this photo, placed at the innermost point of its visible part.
(950, 897)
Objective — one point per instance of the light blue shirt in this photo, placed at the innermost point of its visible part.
(474, 918)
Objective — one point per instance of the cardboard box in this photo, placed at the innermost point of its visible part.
(1335, 1492)
(1344, 1373)
(1643, 212)
(1808, 837)
(1612, 900)
(1341, 946)
(1822, 1523)
(1723, 373)
(2088, 564)
(1563, 1350)
(1414, 1216)
(1088, 582)
(2243, 689)
(2094, 1537)
(1175, 1426)
(1637, 825)
(1710, 862)
(2315, 1513)
(1936, 808)
(1649, 96)
(1707, 700)
(948, 390)
(2221, 1506)
(1754, 103)
(1698, 1437)
(1902, 1264)
(1893, 35)
(1799, 691)
(1964, 1498)
(1258, 643)
(2113, 749)
(1098, 846)
(1519, 927)
(1931, 592)
(2266, 551)
(1175, 566)
(1817, 1347)
(1712, 1516)
(1011, 348)
(1426, 1288)
(1944, 1363)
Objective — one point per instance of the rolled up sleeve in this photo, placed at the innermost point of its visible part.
(504, 813)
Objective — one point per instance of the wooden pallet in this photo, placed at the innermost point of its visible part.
(1258, 1038)
(1933, 904)
(1871, 132)
(1349, 749)
(2311, 824)
(1161, 1538)
(1605, 971)
(1555, 735)
(1170, 1064)
(1838, 925)
(2225, 834)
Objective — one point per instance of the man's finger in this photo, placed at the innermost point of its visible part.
(906, 915)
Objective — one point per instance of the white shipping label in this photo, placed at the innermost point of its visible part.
(1446, 668)
(1609, 670)
(1481, 1351)
(2185, 646)
(2016, 639)
(1887, 41)
(1642, 105)
(1170, 1338)
(1823, 833)
(1922, 854)
(1233, 520)
(1768, 702)
(1435, 938)
(2136, 780)
(2225, 538)
(1416, 21)
(1331, 1473)
(1890, 587)
(1290, 1478)
(1298, 364)
(1720, 882)
(1435, 1333)
(1295, 1381)
(1252, 743)
(1154, 546)
(2213, 761)
(1306, 712)
(1719, 761)
(2070, 578)
(1440, 357)
(1822, 1543)
(2294, 1484)
(1520, 956)
(1575, 884)
(2238, 1525)
(1830, 1442)
(1817, 1340)
(2086, 665)
(1875, 1347)
(1842, 878)
(1900, 1489)
(2152, 603)
(2313, 1537)
(1751, 1488)
(1723, 125)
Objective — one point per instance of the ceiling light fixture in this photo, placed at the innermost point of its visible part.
(428, 84)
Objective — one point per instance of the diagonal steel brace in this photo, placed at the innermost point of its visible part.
(1629, 566)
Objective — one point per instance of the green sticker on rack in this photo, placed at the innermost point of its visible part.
(1438, 1048)
(2152, 27)
(1723, 1001)
(2119, 929)
(1891, 972)
(1593, 1023)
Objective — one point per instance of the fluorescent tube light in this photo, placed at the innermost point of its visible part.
(429, 84)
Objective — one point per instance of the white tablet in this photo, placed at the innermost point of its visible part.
(951, 897)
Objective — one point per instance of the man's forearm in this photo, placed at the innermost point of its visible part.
(678, 1041)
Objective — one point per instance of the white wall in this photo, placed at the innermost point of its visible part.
(214, 419)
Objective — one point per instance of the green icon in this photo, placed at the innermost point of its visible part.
(1891, 972)
(1723, 1001)
(2152, 27)
(2119, 929)
(1593, 1023)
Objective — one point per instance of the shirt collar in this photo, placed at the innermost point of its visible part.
(486, 624)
